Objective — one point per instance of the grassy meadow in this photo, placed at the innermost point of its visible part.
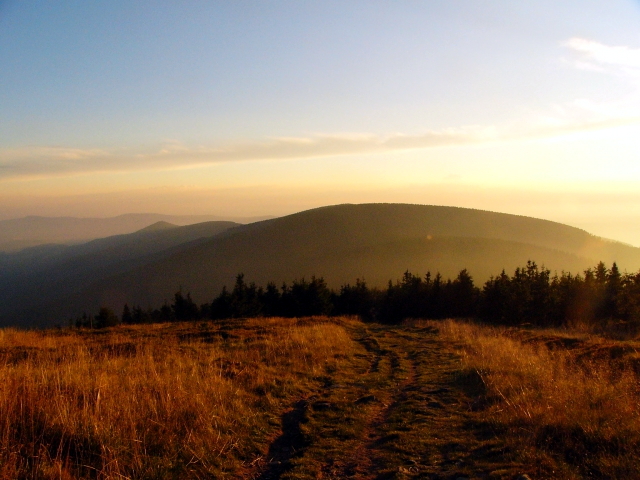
(159, 401)
(276, 398)
(570, 401)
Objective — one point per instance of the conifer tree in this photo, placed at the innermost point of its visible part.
(127, 317)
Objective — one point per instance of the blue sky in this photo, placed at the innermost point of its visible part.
(271, 107)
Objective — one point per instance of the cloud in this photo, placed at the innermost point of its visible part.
(599, 57)
(618, 104)
(57, 161)
(42, 162)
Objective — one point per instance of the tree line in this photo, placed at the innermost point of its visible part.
(532, 295)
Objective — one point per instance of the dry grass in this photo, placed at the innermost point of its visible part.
(570, 403)
(300, 398)
(155, 401)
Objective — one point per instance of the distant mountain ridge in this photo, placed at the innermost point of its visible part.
(41, 274)
(31, 231)
(375, 242)
(161, 225)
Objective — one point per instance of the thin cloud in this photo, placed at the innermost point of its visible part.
(42, 162)
(45, 161)
(619, 61)
(597, 56)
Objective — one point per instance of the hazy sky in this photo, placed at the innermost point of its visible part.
(254, 108)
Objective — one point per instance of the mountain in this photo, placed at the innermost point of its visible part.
(162, 225)
(377, 242)
(35, 276)
(30, 231)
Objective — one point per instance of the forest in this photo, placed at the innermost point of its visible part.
(598, 298)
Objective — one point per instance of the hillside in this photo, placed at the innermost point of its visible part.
(161, 225)
(376, 242)
(19, 233)
(35, 276)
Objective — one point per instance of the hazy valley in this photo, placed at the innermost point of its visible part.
(47, 285)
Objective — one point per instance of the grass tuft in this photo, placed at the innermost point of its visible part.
(569, 401)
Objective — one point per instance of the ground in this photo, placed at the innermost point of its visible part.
(403, 410)
(317, 398)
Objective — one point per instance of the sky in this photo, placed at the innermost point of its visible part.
(249, 108)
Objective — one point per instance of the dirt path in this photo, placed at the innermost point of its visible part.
(404, 410)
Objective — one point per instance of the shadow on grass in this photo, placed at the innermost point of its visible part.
(289, 445)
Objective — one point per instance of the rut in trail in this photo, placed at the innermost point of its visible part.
(402, 411)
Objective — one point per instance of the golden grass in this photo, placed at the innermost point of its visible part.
(206, 400)
(570, 403)
(154, 401)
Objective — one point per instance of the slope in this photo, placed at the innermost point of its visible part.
(376, 242)
(38, 275)
(19, 233)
